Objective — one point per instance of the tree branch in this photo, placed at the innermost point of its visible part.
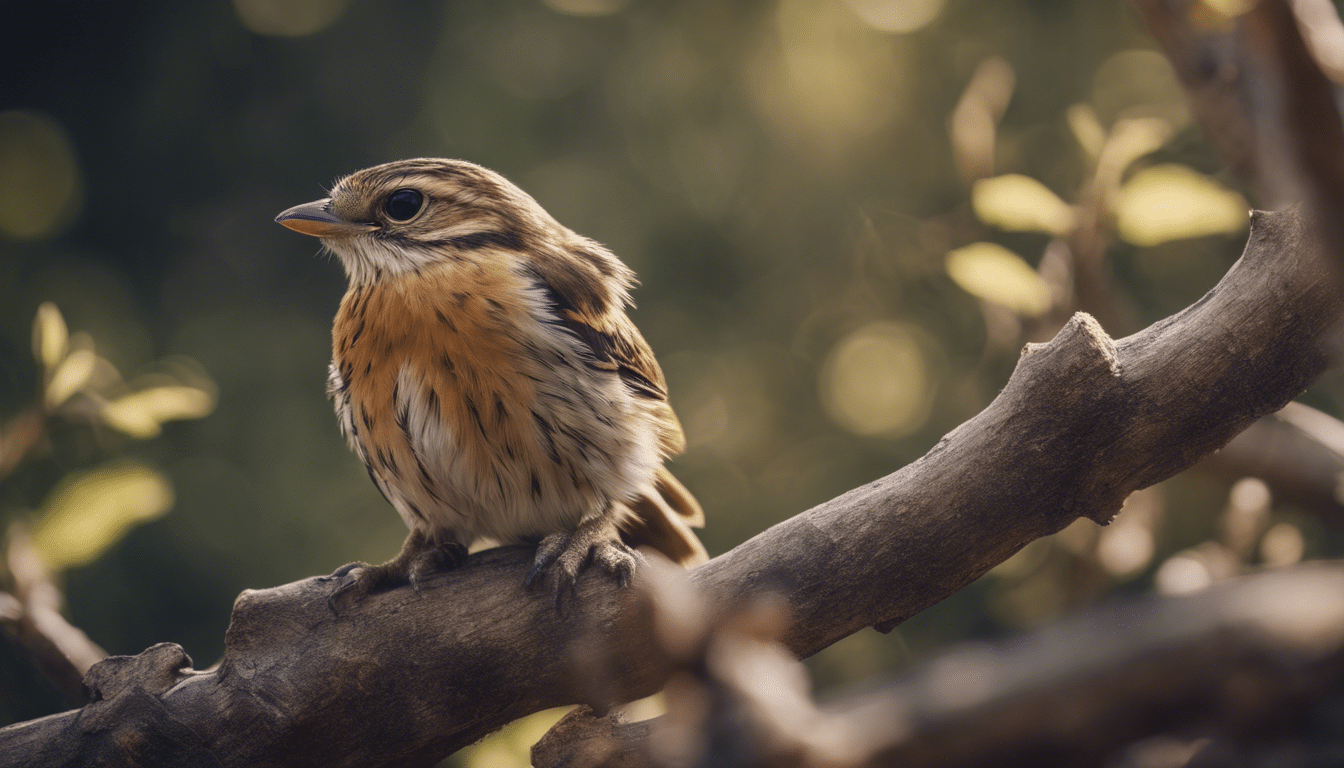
(1241, 661)
(1298, 452)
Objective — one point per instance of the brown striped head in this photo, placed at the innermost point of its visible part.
(407, 215)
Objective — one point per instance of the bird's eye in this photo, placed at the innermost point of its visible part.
(403, 204)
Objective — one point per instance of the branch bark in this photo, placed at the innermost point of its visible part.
(406, 678)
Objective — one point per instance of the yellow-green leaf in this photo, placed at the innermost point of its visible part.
(994, 273)
(51, 339)
(70, 376)
(1021, 204)
(511, 746)
(1173, 202)
(90, 511)
(141, 413)
(1131, 138)
(1087, 128)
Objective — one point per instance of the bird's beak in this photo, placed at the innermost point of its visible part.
(316, 219)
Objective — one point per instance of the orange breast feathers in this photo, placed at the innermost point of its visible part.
(430, 360)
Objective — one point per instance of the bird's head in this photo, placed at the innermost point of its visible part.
(410, 214)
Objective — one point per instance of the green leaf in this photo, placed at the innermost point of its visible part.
(1129, 140)
(141, 413)
(90, 511)
(51, 339)
(991, 272)
(70, 376)
(1021, 204)
(1173, 202)
(1087, 129)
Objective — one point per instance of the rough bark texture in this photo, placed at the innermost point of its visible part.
(406, 678)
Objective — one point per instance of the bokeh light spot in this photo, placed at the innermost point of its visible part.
(1124, 549)
(587, 7)
(39, 177)
(896, 16)
(1282, 545)
(825, 80)
(289, 18)
(1182, 574)
(876, 381)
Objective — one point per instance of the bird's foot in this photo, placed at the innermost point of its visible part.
(434, 560)
(567, 553)
(418, 560)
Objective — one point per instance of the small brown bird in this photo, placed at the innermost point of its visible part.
(485, 371)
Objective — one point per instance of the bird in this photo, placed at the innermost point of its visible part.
(486, 372)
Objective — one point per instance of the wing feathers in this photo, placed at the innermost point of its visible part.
(615, 344)
(663, 518)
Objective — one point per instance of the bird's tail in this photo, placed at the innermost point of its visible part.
(663, 517)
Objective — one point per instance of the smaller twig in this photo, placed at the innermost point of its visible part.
(33, 617)
(1304, 122)
(1206, 63)
(1298, 451)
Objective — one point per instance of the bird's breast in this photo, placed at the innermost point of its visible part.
(470, 412)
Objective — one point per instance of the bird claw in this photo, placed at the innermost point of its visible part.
(567, 553)
(343, 571)
(435, 560)
(417, 563)
(354, 585)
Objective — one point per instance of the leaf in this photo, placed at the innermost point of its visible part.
(140, 414)
(1087, 129)
(1021, 204)
(90, 511)
(51, 339)
(1173, 202)
(511, 746)
(994, 273)
(70, 376)
(1130, 139)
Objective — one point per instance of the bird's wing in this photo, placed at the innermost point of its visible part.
(663, 518)
(615, 344)
(664, 513)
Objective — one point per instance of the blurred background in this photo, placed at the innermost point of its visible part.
(847, 216)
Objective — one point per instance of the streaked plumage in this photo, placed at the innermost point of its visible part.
(485, 371)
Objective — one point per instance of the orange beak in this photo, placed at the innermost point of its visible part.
(316, 219)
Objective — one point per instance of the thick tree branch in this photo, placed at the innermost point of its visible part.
(407, 678)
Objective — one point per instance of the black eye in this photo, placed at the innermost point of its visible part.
(403, 204)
